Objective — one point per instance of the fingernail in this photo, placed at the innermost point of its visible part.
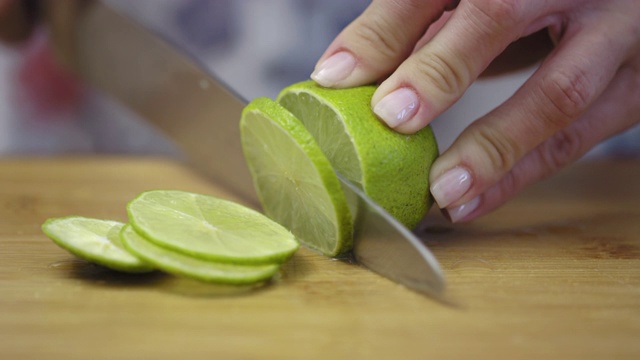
(451, 185)
(334, 69)
(458, 213)
(397, 107)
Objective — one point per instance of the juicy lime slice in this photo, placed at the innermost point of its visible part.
(392, 168)
(94, 240)
(209, 228)
(294, 180)
(180, 264)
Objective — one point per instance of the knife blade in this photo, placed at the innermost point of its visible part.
(165, 86)
(160, 84)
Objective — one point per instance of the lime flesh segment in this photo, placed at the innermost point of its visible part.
(209, 228)
(94, 240)
(294, 180)
(188, 266)
(392, 168)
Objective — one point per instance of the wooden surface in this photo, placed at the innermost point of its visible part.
(555, 274)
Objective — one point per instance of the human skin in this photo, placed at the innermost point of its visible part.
(584, 91)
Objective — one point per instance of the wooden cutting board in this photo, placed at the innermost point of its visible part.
(555, 274)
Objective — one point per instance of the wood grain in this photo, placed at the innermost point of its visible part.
(554, 274)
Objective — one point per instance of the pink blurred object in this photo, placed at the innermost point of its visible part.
(44, 86)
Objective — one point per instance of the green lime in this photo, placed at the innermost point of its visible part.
(181, 264)
(294, 180)
(94, 240)
(392, 168)
(209, 228)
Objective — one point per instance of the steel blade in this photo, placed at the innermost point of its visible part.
(388, 248)
(161, 84)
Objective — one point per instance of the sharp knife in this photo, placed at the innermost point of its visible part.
(163, 85)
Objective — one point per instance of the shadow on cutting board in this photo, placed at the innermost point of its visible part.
(95, 275)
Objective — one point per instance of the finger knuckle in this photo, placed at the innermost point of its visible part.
(501, 150)
(407, 6)
(372, 34)
(509, 185)
(501, 14)
(568, 93)
(441, 74)
(561, 149)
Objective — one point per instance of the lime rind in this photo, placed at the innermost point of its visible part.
(392, 168)
(294, 180)
(94, 240)
(185, 265)
(209, 228)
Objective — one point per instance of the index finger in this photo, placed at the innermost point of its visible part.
(438, 74)
(374, 44)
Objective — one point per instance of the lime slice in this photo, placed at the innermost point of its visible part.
(294, 180)
(392, 168)
(94, 240)
(209, 228)
(180, 264)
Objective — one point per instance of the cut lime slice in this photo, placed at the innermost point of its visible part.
(294, 180)
(94, 240)
(209, 228)
(392, 168)
(180, 264)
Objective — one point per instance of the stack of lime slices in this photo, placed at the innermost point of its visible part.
(182, 233)
(294, 180)
(294, 146)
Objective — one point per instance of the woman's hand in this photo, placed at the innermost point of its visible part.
(586, 90)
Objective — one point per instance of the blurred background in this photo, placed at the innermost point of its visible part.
(256, 46)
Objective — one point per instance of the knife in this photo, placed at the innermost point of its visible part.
(171, 90)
